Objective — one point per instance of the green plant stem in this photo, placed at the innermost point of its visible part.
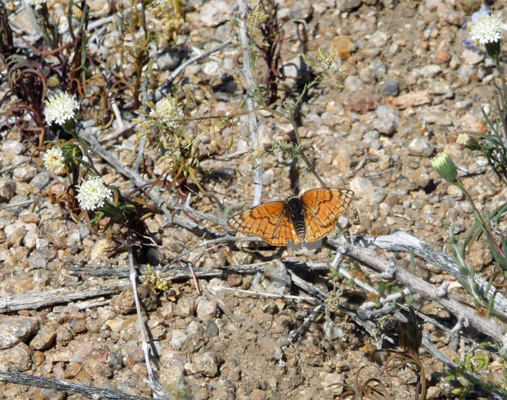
(177, 8)
(480, 219)
(424, 386)
(503, 96)
(69, 20)
(191, 172)
(306, 160)
(502, 76)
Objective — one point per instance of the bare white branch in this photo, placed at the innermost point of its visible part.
(251, 84)
(417, 285)
(406, 243)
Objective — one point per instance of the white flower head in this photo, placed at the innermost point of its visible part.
(488, 29)
(37, 4)
(54, 160)
(93, 193)
(60, 108)
(169, 111)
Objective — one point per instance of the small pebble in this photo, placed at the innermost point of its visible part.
(421, 147)
(44, 338)
(206, 309)
(390, 88)
(378, 68)
(207, 364)
(277, 279)
(41, 180)
(331, 331)
(352, 83)
(17, 329)
(347, 5)
(178, 339)
(12, 146)
(343, 46)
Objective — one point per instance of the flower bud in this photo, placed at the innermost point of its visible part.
(468, 141)
(443, 164)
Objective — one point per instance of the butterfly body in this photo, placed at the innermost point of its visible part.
(296, 213)
(308, 218)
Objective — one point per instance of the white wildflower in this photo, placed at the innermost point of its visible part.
(488, 29)
(93, 193)
(54, 161)
(60, 108)
(468, 141)
(37, 4)
(169, 111)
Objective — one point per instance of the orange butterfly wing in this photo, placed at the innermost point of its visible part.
(270, 221)
(322, 208)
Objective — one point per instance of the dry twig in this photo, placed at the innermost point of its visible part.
(153, 381)
(251, 84)
(417, 285)
(404, 242)
(87, 391)
(158, 93)
(36, 299)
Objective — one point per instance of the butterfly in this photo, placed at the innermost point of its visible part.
(308, 218)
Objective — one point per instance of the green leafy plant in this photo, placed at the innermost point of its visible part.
(155, 280)
(468, 273)
(477, 364)
(444, 165)
(487, 30)
(324, 66)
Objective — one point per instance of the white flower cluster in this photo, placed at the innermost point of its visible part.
(54, 161)
(93, 193)
(37, 4)
(169, 111)
(488, 29)
(60, 108)
(463, 139)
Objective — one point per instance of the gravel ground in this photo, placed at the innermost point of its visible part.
(410, 86)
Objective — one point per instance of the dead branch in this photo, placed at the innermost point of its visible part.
(371, 328)
(265, 294)
(173, 273)
(36, 299)
(158, 93)
(153, 381)
(251, 84)
(404, 242)
(46, 383)
(417, 285)
(199, 214)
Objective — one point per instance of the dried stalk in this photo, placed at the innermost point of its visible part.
(153, 381)
(62, 386)
(404, 242)
(251, 88)
(391, 271)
